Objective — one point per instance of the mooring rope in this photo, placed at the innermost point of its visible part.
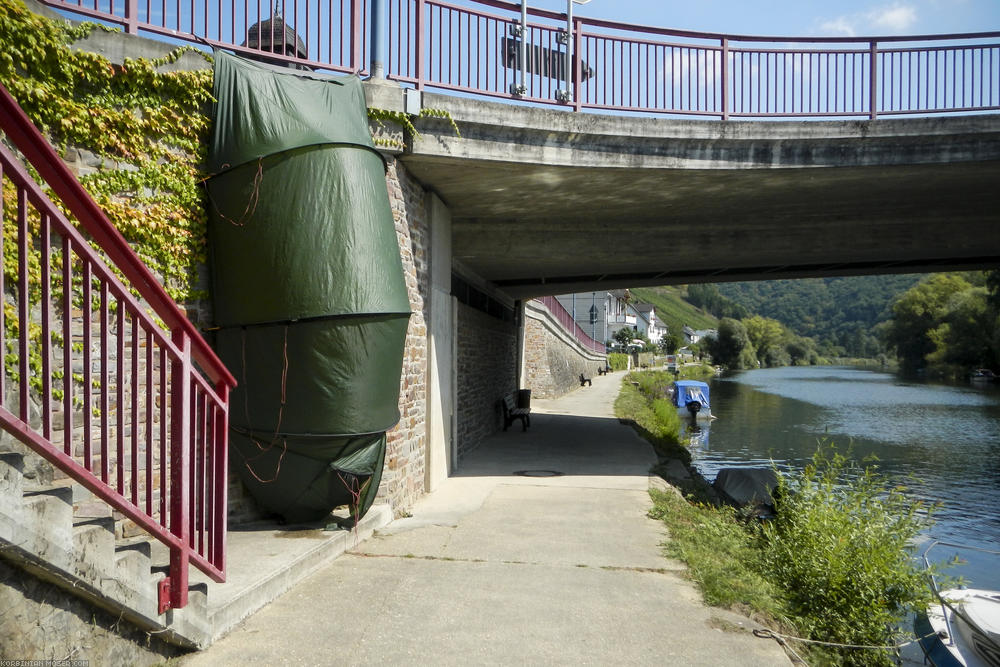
(765, 633)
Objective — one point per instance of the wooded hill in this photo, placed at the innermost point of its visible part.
(840, 314)
(835, 312)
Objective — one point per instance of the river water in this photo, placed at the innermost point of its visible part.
(941, 441)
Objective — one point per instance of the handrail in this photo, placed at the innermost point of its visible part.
(37, 150)
(624, 67)
(566, 319)
(472, 47)
(144, 405)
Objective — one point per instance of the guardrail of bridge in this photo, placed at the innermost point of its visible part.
(120, 392)
(480, 47)
(624, 67)
(566, 319)
(319, 34)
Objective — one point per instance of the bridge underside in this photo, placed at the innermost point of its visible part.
(535, 230)
(548, 202)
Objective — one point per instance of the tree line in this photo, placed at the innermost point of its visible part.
(947, 323)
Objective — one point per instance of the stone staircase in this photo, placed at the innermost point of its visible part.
(41, 534)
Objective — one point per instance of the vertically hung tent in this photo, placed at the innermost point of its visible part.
(310, 299)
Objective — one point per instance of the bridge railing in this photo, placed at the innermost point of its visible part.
(321, 34)
(480, 47)
(623, 67)
(566, 319)
(103, 375)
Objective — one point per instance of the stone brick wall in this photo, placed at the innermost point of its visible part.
(553, 359)
(40, 621)
(487, 369)
(405, 457)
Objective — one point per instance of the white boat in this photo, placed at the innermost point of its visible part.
(962, 628)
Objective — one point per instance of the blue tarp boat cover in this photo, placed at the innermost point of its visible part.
(686, 391)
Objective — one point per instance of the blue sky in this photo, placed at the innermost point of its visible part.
(798, 17)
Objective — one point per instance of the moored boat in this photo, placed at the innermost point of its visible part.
(982, 375)
(961, 628)
(691, 397)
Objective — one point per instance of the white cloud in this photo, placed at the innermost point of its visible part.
(894, 18)
(897, 18)
(840, 26)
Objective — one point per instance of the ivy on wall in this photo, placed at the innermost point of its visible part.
(140, 136)
(144, 131)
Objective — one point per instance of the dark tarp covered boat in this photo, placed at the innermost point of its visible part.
(308, 286)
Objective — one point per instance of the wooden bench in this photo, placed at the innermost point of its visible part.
(603, 370)
(585, 381)
(512, 412)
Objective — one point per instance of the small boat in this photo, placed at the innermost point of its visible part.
(691, 396)
(962, 628)
(982, 375)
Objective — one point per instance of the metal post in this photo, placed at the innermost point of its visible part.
(873, 82)
(524, 47)
(569, 48)
(132, 17)
(180, 459)
(418, 43)
(380, 26)
(725, 78)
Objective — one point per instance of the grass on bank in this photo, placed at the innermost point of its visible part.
(834, 565)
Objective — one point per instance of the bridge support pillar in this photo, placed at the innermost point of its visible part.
(442, 447)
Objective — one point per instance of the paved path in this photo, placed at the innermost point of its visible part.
(496, 568)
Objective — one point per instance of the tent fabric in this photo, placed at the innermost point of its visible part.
(309, 292)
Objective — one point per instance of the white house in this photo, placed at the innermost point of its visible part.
(647, 323)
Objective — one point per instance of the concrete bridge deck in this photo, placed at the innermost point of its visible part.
(549, 202)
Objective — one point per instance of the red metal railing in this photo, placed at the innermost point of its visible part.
(625, 67)
(328, 34)
(566, 319)
(122, 395)
(476, 47)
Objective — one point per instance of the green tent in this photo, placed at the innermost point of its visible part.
(308, 287)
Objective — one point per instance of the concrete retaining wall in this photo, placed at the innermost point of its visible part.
(553, 358)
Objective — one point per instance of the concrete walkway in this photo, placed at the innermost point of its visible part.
(500, 568)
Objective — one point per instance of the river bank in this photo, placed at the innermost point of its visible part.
(781, 572)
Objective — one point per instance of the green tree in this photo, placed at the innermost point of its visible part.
(731, 347)
(623, 338)
(918, 312)
(669, 343)
(767, 337)
(964, 337)
(799, 351)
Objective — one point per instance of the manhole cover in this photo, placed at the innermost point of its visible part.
(538, 473)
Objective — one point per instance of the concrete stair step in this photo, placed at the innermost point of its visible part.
(94, 546)
(133, 563)
(49, 510)
(11, 484)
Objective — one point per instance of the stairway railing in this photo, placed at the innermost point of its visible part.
(104, 376)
